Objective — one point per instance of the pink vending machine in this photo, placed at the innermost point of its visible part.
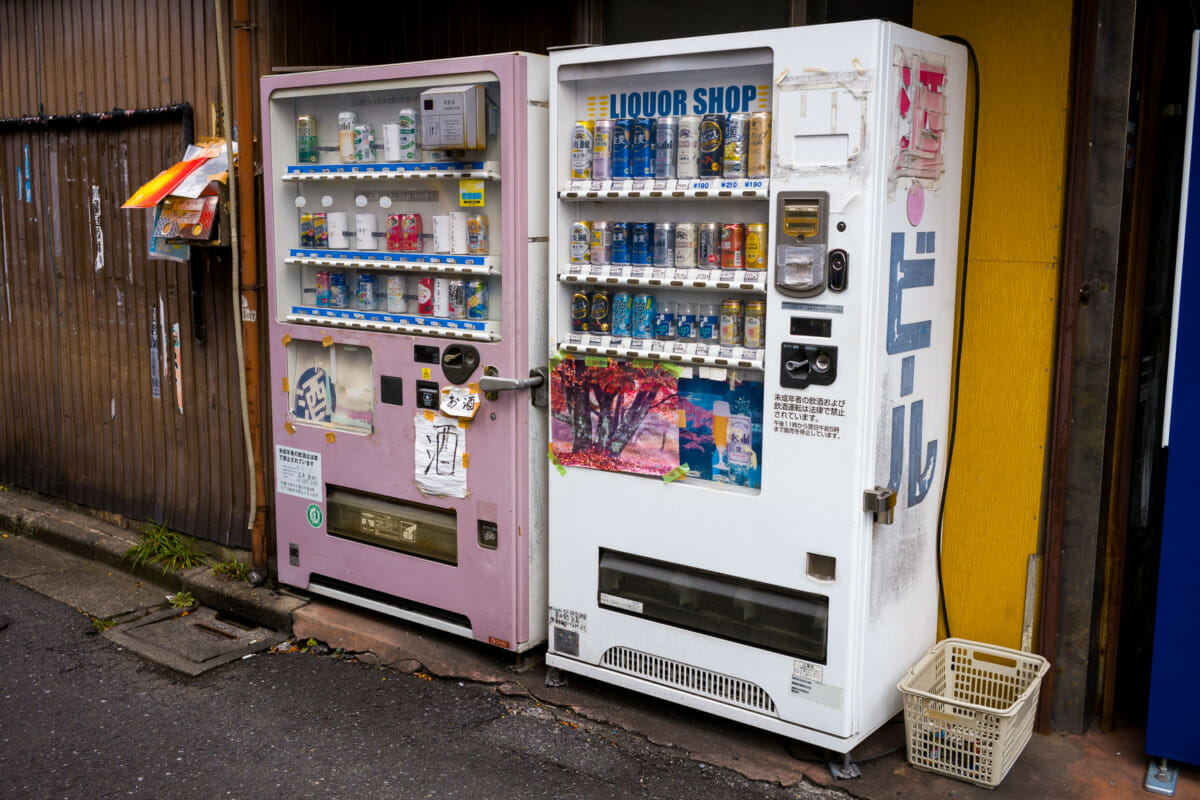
(407, 242)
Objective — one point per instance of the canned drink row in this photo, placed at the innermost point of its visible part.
(450, 298)
(732, 323)
(456, 232)
(685, 147)
(357, 141)
(683, 245)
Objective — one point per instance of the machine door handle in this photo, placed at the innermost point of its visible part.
(536, 381)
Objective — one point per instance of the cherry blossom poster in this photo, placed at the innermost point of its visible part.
(720, 430)
(616, 416)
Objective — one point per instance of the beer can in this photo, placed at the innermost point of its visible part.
(456, 297)
(339, 291)
(708, 245)
(580, 306)
(620, 243)
(664, 321)
(622, 138)
(458, 231)
(364, 143)
(602, 150)
(395, 238)
(666, 147)
(708, 324)
(477, 234)
(737, 145)
(365, 228)
(733, 245)
(759, 165)
(306, 139)
(641, 151)
(641, 243)
(754, 323)
(477, 298)
(339, 230)
(581, 242)
(346, 122)
(664, 244)
(685, 245)
(364, 292)
(390, 133)
(409, 121)
(644, 307)
(323, 289)
(441, 297)
(425, 295)
(622, 314)
(712, 145)
(687, 152)
(685, 322)
(307, 239)
(756, 245)
(601, 245)
(600, 311)
(320, 230)
(581, 149)
(731, 323)
(410, 233)
(397, 290)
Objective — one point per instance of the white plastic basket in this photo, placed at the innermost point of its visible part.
(969, 708)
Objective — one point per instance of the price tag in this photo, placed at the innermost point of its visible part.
(578, 187)
(637, 272)
(700, 186)
(725, 352)
(659, 274)
(617, 343)
(459, 402)
(637, 344)
(596, 270)
(616, 272)
(728, 275)
(595, 341)
(575, 269)
(680, 348)
(575, 339)
(751, 354)
(637, 186)
(758, 184)
(598, 186)
(702, 350)
(658, 347)
(661, 186)
(729, 184)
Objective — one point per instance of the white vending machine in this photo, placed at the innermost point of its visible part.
(753, 257)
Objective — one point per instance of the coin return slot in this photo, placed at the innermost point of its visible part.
(822, 568)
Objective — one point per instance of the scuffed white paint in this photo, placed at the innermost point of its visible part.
(4, 256)
(162, 329)
(128, 223)
(99, 229)
(113, 414)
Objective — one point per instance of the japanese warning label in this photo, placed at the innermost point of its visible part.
(298, 473)
(814, 417)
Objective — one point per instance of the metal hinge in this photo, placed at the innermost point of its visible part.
(881, 503)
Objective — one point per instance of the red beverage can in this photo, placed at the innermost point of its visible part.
(410, 233)
(733, 245)
(425, 296)
(394, 240)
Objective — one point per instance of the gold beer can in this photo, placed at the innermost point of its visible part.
(753, 322)
(756, 245)
(582, 144)
(760, 145)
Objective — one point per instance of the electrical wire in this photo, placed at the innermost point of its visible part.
(962, 313)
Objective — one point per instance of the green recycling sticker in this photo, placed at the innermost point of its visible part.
(315, 516)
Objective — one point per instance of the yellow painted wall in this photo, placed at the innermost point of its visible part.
(994, 500)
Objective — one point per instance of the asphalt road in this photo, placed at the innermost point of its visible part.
(82, 718)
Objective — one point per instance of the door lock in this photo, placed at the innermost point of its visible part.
(880, 502)
(536, 381)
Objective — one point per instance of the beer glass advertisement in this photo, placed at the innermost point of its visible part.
(720, 430)
(331, 385)
(614, 416)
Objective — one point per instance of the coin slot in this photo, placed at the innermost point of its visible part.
(822, 568)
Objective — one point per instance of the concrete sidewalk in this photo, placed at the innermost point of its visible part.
(79, 560)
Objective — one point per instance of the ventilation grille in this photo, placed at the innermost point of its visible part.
(713, 685)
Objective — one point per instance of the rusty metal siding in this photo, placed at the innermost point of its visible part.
(85, 316)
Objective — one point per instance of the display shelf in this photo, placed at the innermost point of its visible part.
(733, 280)
(478, 330)
(714, 188)
(393, 260)
(688, 353)
(486, 170)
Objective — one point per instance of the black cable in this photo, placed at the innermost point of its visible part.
(962, 313)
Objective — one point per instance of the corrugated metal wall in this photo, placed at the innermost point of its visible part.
(92, 405)
(85, 318)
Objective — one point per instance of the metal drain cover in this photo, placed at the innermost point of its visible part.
(192, 641)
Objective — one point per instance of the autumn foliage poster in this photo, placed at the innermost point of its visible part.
(615, 416)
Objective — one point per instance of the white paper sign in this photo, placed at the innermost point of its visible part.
(440, 451)
(459, 402)
(298, 473)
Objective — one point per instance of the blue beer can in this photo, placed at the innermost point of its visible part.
(622, 314)
(642, 147)
(620, 244)
(641, 243)
(622, 138)
(644, 309)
